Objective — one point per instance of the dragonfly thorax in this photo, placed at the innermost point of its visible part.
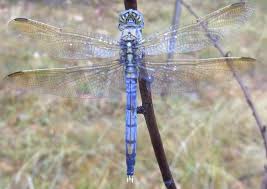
(130, 58)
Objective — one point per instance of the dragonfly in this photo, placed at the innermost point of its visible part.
(133, 57)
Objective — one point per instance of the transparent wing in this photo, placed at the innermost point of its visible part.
(82, 82)
(60, 44)
(188, 75)
(196, 37)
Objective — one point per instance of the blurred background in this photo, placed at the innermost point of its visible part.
(211, 138)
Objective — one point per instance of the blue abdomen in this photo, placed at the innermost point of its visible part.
(131, 122)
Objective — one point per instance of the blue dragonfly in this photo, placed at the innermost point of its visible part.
(129, 59)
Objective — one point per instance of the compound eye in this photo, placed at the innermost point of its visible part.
(138, 21)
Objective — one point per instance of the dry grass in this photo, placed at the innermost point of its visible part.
(211, 139)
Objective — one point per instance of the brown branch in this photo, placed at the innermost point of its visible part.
(148, 112)
(245, 91)
(130, 4)
(155, 137)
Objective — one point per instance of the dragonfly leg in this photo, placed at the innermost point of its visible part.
(141, 110)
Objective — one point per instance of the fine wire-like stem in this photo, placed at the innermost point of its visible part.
(238, 79)
(175, 23)
(151, 122)
(245, 91)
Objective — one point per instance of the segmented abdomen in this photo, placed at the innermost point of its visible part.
(131, 123)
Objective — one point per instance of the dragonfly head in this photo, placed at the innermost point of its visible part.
(131, 18)
(131, 23)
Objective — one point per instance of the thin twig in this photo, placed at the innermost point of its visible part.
(245, 91)
(175, 23)
(148, 112)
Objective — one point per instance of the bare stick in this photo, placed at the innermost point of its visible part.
(245, 91)
(175, 23)
(238, 79)
(130, 4)
(148, 112)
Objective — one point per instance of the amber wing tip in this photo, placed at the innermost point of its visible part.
(238, 4)
(249, 59)
(13, 74)
(246, 5)
(17, 20)
(21, 19)
(14, 21)
(9, 79)
(11, 25)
